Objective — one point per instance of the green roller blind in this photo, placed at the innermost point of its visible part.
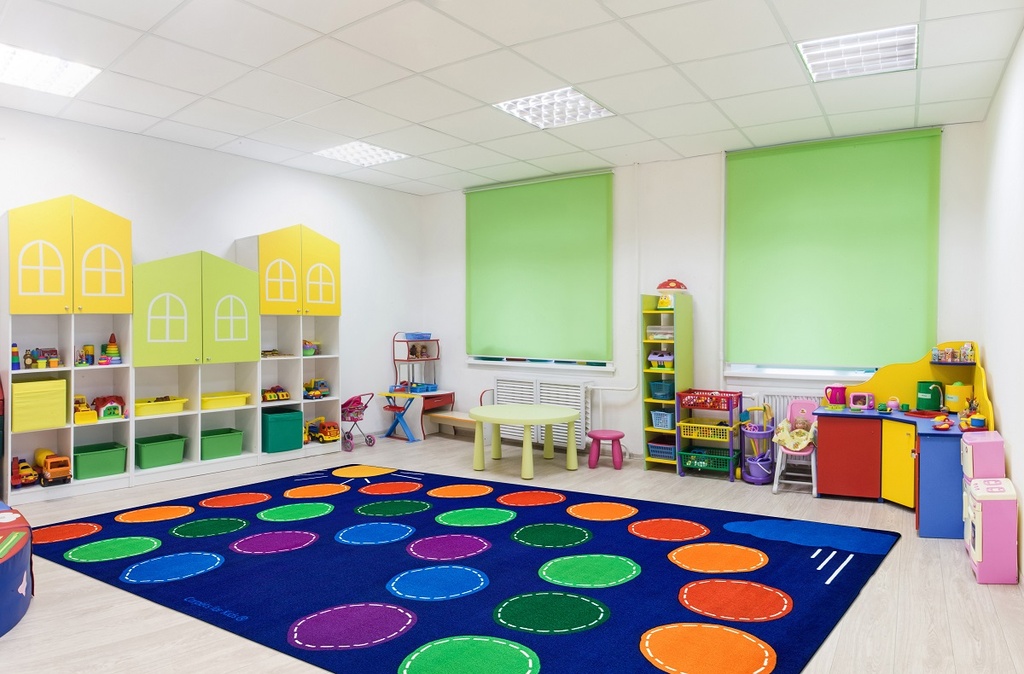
(831, 252)
(539, 270)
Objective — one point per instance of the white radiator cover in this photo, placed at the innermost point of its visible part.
(568, 393)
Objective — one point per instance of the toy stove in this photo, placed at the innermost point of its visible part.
(981, 456)
(990, 530)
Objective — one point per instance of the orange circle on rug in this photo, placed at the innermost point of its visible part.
(235, 500)
(362, 471)
(668, 529)
(64, 532)
(531, 498)
(316, 490)
(601, 511)
(460, 491)
(718, 558)
(390, 488)
(154, 514)
(736, 600)
(704, 648)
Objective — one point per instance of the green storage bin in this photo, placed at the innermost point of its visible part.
(218, 443)
(159, 450)
(99, 460)
(282, 430)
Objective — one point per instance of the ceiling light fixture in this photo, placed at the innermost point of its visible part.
(551, 109)
(49, 74)
(878, 51)
(363, 154)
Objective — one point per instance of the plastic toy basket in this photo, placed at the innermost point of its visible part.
(660, 450)
(704, 399)
(706, 429)
(661, 390)
(662, 420)
(708, 458)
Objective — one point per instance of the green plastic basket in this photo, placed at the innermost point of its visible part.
(99, 460)
(220, 443)
(159, 450)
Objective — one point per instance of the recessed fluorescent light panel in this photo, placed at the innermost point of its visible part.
(561, 107)
(363, 154)
(49, 74)
(879, 51)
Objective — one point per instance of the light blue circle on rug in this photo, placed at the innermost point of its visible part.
(172, 567)
(374, 533)
(438, 583)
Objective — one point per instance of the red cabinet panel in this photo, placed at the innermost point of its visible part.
(850, 457)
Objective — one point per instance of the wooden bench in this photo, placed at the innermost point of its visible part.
(453, 418)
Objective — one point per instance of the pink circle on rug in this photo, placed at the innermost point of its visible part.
(390, 488)
(234, 500)
(447, 547)
(350, 626)
(272, 542)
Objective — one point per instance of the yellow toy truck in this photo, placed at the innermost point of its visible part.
(53, 468)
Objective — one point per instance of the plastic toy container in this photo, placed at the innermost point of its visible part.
(38, 404)
(282, 430)
(224, 399)
(661, 390)
(660, 450)
(417, 335)
(422, 388)
(145, 407)
(99, 460)
(159, 450)
(704, 399)
(663, 420)
(716, 459)
(219, 443)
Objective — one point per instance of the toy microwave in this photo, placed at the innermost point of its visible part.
(862, 401)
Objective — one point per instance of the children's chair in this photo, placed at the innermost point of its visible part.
(796, 435)
(596, 437)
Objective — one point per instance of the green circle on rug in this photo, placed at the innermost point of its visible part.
(551, 613)
(551, 535)
(393, 508)
(214, 526)
(295, 511)
(470, 654)
(112, 548)
(475, 517)
(590, 571)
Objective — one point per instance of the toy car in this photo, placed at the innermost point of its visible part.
(319, 386)
(269, 395)
(53, 468)
(27, 473)
(280, 392)
(321, 430)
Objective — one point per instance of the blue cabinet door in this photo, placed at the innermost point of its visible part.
(940, 483)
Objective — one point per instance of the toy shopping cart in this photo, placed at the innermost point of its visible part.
(353, 410)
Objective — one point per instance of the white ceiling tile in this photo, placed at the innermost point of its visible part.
(300, 137)
(132, 13)
(771, 106)
(20, 98)
(57, 31)
(872, 121)
(415, 37)
(312, 162)
(647, 90)
(523, 20)
(853, 94)
(188, 134)
(976, 37)
(272, 94)
(234, 30)
(120, 91)
(788, 132)
(952, 112)
(497, 77)
(589, 54)
(599, 133)
(336, 67)
(372, 177)
(416, 99)
(572, 162)
(225, 117)
(351, 119)
(634, 7)
(111, 118)
(530, 146)
(938, 9)
(254, 149)
(957, 82)
(413, 168)
(810, 19)
(748, 73)
(469, 157)
(481, 124)
(708, 143)
(635, 153)
(414, 140)
(324, 16)
(704, 30)
(692, 118)
(458, 181)
(169, 63)
(507, 173)
(418, 187)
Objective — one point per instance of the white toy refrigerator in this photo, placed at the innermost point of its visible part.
(990, 531)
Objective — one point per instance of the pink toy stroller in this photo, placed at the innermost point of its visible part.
(353, 410)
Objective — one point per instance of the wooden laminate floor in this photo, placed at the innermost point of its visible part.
(921, 612)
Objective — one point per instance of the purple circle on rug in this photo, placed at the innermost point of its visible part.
(273, 542)
(447, 547)
(350, 626)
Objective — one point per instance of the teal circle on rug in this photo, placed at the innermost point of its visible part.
(393, 508)
(590, 571)
(475, 517)
(374, 533)
(468, 654)
(294, 512)
(169, 568)
(551, 613)
(438, 583)
(112, 548)
(213, 526)
(551, 535)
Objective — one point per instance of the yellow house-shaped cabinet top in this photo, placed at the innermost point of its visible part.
(69, 256)
(300, 273)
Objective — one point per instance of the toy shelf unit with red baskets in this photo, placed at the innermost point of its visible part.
(666, 338)
(711, 438)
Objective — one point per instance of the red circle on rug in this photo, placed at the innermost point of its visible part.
(601, 511)
(390, 488)
(704, 648)
(460, 491)
(531, 498)
(234, 500)
(154, 514)
(316, 490)
(668, 529)
(736, 600)
(64, 532)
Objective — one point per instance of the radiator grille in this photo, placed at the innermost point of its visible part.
(508, 390)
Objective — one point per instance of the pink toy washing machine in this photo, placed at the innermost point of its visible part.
(990, 531)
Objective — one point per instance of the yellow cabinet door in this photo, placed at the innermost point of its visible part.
(898, 441)
(280, 271)
(41, 257)
(321, 274)
(103, 260)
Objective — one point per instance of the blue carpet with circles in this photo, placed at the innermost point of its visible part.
(366, 569)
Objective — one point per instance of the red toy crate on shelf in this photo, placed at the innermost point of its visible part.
(704, 399)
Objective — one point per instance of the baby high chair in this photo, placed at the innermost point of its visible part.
(796, 435)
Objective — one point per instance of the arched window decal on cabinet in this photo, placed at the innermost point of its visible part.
(167, 319)
(40, 269)
(280, 282)
(102, 272)
(320, 285)
(231, 320)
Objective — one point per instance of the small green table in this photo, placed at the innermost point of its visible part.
(526, 416)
